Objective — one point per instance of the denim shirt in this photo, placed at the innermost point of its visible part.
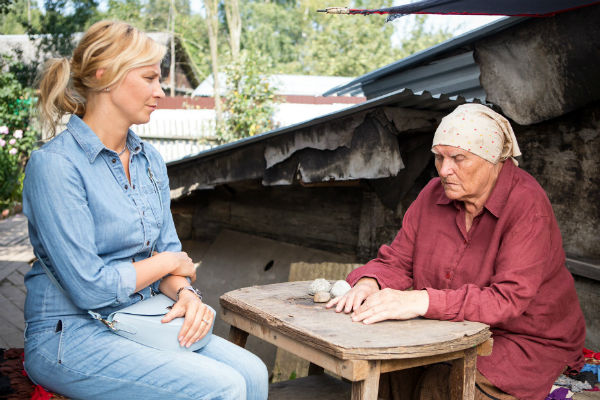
(89, 223)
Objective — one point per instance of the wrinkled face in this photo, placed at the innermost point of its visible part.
(138, 93)
(465, 176)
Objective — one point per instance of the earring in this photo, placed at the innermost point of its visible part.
(107, 89)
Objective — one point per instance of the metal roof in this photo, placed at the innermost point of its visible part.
(304, 85)
(404, 98)
(452, 75)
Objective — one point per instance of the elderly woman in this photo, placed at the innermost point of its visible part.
(480, 243)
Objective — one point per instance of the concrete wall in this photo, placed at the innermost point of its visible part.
(563, 154)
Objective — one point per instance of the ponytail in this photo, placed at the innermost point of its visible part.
(57, 96)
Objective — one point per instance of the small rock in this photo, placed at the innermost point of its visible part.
(319, 285)
(340, 288)
(322, 297)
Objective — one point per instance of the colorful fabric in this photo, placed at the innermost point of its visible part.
(507, 271)
(559, 393)
(479, 130)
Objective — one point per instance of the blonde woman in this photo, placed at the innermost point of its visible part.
(97, 200)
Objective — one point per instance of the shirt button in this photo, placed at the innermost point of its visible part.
(147, 243)
(137, 148)
(126, 187)
(447, 275)
(114, 160)
(133, 186)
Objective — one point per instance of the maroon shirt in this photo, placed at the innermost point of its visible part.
(508, 272)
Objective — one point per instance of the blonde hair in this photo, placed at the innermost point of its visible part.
(116, 47)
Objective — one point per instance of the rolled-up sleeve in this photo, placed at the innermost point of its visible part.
(54, 200)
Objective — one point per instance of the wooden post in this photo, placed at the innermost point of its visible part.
(238, 336)
(462, 376)
(368, 388)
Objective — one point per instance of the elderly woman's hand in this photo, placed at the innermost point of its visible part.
(392, 304)
(198, 318)
(355, 296)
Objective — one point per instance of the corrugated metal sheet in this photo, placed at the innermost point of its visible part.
(458, 75)
(453, 75)
(404, 98)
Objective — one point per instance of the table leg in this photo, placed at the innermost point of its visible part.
(368, 388)
(238, 336)
(462, 376)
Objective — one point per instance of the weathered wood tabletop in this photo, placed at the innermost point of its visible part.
(285, 315)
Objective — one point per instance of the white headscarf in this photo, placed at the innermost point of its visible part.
(479, 130)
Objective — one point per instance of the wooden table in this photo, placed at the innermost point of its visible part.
(286, 316)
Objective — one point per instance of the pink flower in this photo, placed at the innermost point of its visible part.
(12, 141)
(18, 134)
(2, 143)
(4, 130)
(12, 151)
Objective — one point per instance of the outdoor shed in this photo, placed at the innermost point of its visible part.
(333, 189)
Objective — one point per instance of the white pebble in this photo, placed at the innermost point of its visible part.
(319, 285)
(322, 297)
(340, 288)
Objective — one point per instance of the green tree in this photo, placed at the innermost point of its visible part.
(416, 37)
(126, 10)
(277, 29)
(18, 15)
(61, 20)
(348, 45)
(249, 102)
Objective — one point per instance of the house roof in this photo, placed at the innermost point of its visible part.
(303, 85)
(404, 98)
(457, 74)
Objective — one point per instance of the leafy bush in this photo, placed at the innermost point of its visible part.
(18, 135)
(249, 102)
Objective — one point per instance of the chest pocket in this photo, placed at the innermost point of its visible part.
(152, 195)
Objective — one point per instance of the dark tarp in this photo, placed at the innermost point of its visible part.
(533, 8)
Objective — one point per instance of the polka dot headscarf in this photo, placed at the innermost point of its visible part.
(479, 130)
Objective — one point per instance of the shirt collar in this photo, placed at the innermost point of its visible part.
(91, 144)
(499, 196)
(497, 200)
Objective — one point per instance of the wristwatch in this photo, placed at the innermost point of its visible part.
(191, 289)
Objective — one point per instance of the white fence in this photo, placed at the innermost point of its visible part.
(179, 133)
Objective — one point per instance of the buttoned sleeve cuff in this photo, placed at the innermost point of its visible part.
(127, 280)
(155, 286)
(437, 304)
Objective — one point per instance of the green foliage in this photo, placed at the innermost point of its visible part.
(248, 104)
(17, 16)
(18, 135)
(293, 375)
(62, 19)
(417, 38)
(301, 41)
(349, 45)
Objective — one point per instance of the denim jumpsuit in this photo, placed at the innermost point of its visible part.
(89, 223)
